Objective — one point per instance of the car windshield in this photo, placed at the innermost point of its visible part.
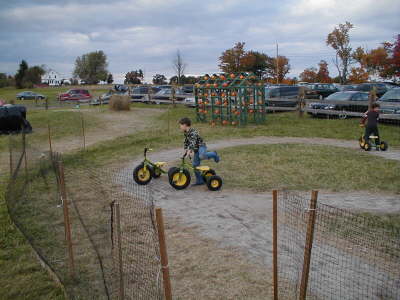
(339, 96)
(391, 96)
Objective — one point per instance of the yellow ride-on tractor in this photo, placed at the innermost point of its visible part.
(147, 170)
(372, 143)
(179, 177)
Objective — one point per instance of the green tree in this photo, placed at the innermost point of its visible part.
(19, 77)
(134, 77)
(33, 76)
(91, 67)
(159, 79)
(278, 67)
(255, 62)
(110, 78)
(5, 80)
(339, 40)
(231, 60)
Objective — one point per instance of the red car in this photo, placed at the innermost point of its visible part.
(75, 95)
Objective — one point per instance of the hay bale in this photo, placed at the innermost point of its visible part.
(120, 102)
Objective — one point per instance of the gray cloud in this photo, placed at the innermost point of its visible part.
(146, 34)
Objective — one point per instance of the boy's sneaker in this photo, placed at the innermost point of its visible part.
(217, 158)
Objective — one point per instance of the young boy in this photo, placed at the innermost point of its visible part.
(194, 144)
(371, 119)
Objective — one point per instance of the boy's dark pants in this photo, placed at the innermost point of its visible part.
(371, 130)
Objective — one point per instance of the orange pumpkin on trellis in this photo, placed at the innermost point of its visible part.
(217, 111)
(232, 76)
(251, 111)
(225, 84)
(215, 85)
(233, 94)
(218, 102)
(225, 103)
(223, 95)
(222, 77)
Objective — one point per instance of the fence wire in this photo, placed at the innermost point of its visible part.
(36, 207)
(353, 256)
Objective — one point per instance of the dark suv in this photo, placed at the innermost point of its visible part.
(323, 90)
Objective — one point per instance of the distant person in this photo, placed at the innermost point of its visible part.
(195, 145)
(370, 122)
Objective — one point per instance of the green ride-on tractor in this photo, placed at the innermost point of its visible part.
(147, 170)
(179, 177)
(367, 146)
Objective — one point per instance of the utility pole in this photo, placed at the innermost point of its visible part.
(277, 65)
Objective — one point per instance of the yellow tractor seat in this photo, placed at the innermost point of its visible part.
(160, 164)
(203, 168)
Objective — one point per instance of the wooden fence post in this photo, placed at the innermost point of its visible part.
(308, 245)
(11, 155)
(24, 153)
(83, 131)
(67, 223)
(301, 98)
(120, 266)
(164, 255)
(49, 137)
(275, 241)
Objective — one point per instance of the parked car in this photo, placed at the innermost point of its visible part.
(323, 90)
(381, 88)
(348, 87)
(390, 105)
(105, 98)
(164, 96)
(349, 101)
(80, 95)
(28, 95)
(188, 89)
(282, 96)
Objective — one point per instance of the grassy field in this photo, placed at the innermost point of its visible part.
(306, 167)
(9, 93)
(23, 278)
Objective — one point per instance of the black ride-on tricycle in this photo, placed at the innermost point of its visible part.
(367, 146)
(147, 170)
(179, 177)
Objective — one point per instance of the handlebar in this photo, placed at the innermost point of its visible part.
(147, 150)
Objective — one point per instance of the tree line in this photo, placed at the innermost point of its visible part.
(353, 66)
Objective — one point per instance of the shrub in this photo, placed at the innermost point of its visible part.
(119, 102)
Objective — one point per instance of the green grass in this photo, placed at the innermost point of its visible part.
(9, 93)
(62, 123)
(21, 275)
(306, 167)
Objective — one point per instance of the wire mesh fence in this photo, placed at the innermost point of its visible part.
(68, 216)
(353, 256)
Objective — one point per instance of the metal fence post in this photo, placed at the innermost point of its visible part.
(120, 266)
(67, 223)
(275, 241)
(308, 245)
(163, 253)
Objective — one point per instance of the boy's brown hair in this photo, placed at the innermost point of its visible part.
(185, 121)
(375, 105)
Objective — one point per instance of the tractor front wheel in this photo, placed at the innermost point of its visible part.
(142, 174)
(367, 146)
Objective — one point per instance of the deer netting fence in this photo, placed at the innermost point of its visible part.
(67, 212)
(353, 256)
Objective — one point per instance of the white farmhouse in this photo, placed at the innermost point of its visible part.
(52, 78)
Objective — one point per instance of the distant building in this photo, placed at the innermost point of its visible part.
(52, 78)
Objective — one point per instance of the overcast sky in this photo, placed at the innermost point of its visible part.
(146, 33)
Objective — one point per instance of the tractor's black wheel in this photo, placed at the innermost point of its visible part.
(383, 146)
(142, 175)
(361, 142)
(367, 146)
(170, 171)
(208, 173)
(214, 183)
(178, 179)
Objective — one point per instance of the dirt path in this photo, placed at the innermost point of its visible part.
(242, 219)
